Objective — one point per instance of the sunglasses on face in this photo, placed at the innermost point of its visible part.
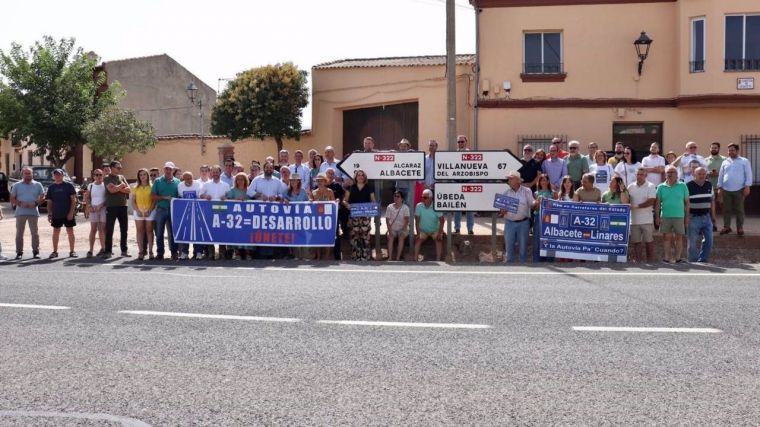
(573, 148)
(528, 150)
(98, 174)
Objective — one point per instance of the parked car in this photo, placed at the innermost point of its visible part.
(5, 194)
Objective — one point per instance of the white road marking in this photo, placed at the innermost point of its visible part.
(124, 421)
(332, 271)
(210, 316)
(43, 307)
(405, 324)
(645, 329)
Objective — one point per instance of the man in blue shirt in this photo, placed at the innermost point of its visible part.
(26, 196)
(734, 181)
(61, 202)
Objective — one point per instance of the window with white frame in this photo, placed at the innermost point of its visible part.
(697, 57)
(542, 53)
(742, 44)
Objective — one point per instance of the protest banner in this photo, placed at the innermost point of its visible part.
(295, 224)
(585, 231)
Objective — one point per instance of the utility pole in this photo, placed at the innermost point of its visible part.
(451, 95)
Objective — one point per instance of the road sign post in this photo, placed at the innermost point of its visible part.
(382, 166)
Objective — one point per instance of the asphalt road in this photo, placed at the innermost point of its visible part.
(468, 345)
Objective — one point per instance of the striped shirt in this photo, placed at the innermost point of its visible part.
(700, 197)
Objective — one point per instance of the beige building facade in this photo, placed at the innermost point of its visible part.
(572, 70)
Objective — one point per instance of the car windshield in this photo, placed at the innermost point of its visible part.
(43, 174)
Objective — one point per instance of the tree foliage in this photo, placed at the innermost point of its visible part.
(50, 94)
(262, 102)
(116, 132)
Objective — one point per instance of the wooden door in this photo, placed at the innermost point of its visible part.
(638, 136)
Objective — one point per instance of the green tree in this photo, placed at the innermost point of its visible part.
(262, 102)
(51, 93)
(116, 132)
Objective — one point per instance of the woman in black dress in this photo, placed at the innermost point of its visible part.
(360, 192)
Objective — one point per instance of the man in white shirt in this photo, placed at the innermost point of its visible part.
(228, 177)
(265, 187)
(654, 165)
(517, 225)
(643, 195)
(302, 169)
(216, 189)
(329, 161)
(205, 177)
(683, 162)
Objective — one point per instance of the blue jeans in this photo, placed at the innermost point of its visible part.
(516, 232)
(164, 219)
(700, 225)
(458, 221)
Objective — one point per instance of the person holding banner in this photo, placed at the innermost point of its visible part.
(517, 224)
(428, 223)
(587, 192)
(397, 222)
(323, 193)
(238, 192)
(187, 189)
(544, 191)
(617, 194)
(296, 193)
(343, 213)
(360, 226)
(672, 213)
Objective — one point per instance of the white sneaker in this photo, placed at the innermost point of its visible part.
(183, 256)
(200, 256)
(3, 258)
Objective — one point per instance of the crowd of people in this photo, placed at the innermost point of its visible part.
(675, 194)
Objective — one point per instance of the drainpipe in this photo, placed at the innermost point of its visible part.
(477, 76)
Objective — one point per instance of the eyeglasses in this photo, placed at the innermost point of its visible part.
(98, 174)
(573, 148)
(528, 149)
(426, 197)
(627, 153)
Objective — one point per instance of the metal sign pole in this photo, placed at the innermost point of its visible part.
(378, 199)
(449, 220)
(493, 234)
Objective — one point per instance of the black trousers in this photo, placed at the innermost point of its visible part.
(114, 213)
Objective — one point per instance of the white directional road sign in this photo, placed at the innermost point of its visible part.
(474, 165)
(463, 197)
(392, 165)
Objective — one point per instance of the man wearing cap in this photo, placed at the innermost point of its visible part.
(517, 224)
(26, 196)
(428, 223)
(61, 202)
(117, 193)
(164, 190)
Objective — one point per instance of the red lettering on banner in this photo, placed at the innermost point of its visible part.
(472, 189)
(472, 157)
(385, 157)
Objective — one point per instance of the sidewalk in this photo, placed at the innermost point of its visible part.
(727, 248)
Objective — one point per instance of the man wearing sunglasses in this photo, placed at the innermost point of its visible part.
(684, 162)
(530, 169)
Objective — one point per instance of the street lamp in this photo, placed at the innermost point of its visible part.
(196, 99)
(642, 43)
